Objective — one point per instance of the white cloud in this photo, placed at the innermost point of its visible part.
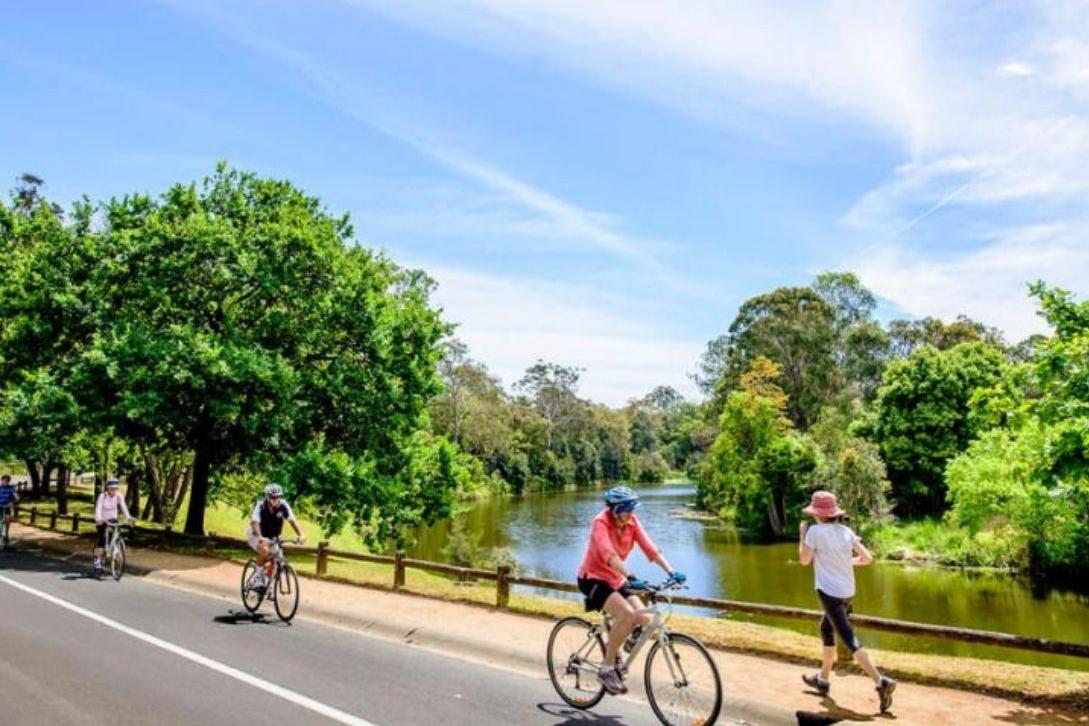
(706, 56)
(989, 284)
(509, 323)
(1018, 69)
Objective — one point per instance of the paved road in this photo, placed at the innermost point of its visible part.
(171, 657)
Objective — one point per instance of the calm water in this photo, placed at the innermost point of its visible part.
(548, 533)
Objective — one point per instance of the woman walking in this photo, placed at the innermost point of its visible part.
(834, 551)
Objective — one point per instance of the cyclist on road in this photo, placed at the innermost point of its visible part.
(9, 495)
(834, 551)
(266, 522)
(607, 582)
(110, 503)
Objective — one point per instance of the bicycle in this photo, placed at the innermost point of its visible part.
(114, 552)
(682, 681)
(282, 584)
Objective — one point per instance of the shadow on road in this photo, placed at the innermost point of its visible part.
(241, 617)
(575, 717)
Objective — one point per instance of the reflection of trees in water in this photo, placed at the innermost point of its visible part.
(548, 535)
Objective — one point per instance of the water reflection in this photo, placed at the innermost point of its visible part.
(548, 532)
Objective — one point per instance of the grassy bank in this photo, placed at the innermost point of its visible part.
(939, 542)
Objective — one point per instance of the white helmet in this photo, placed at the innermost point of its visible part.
(274, 490)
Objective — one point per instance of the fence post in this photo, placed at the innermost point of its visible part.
(502, 586)
(53, 519)
(75, 523)
(164, 538)
(399, 570)
(321, 566)
(33, 515)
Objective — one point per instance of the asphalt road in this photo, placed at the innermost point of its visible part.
(79, 651)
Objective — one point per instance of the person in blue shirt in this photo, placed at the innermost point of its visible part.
(8, 496)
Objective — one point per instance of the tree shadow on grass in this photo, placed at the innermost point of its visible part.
(576, 717)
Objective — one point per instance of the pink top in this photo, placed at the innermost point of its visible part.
(608, 538)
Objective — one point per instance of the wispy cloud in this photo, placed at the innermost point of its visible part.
(510, 322)
(351, 96)
(990, 130)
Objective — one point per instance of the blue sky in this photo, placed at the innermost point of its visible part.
(600, 184)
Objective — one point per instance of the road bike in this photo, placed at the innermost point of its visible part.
(113, 555)
(281, 584)
(682, 681)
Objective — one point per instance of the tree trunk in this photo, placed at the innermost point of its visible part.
(35, 477)
(62, 489)
(132, 491)
(154, 488)
(47, 474)
(186, 479)
(198, 499)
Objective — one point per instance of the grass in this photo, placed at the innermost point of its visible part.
(939, 542)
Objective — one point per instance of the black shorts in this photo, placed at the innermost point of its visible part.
(596, 592)
(837, 621)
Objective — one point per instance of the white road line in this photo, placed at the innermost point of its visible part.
(284, 693)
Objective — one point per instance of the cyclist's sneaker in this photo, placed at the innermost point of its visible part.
(884, 692)
(633, 638)
(817, 683)
(612, 681)
(258, 580)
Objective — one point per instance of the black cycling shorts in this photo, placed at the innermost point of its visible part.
(595, 592)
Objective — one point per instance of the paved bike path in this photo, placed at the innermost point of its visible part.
(58, 665)
(758, 690)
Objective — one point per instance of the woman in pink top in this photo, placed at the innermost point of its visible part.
(607, 582)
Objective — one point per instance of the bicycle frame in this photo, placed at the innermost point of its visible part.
(654, 631)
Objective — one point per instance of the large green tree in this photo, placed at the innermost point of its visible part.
(238, 320)
(922, 418)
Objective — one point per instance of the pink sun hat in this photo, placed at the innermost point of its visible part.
(824, 505)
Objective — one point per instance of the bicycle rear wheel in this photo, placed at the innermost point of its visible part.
(117, 559)
(287, 593)
(682, 681)
(252, 597)
(3, 534)
(575, 653)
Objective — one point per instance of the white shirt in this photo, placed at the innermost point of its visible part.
(106, 507)
(833, 548)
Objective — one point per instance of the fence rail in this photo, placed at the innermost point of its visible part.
(504, 579)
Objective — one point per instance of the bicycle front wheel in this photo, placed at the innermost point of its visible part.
(575, 653)
(117, 559)
(682, 681)
(287, 593)
(3, 534)
(251, 596)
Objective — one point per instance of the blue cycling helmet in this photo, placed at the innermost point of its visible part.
(621, 499)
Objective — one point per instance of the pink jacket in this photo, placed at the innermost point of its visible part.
(608, 538)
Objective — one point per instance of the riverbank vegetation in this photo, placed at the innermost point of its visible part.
(204, 340)
(946, 443)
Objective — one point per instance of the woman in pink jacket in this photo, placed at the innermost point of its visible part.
(607, 583)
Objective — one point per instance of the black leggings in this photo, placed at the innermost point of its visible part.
(837, 619)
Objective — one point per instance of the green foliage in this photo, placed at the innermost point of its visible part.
(922, 417)
(759, 466)
(851, 467)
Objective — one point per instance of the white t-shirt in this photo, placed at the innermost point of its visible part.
(833, 554)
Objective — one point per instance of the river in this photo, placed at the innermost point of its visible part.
(547, 533)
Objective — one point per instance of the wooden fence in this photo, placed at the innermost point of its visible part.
(504, 579)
